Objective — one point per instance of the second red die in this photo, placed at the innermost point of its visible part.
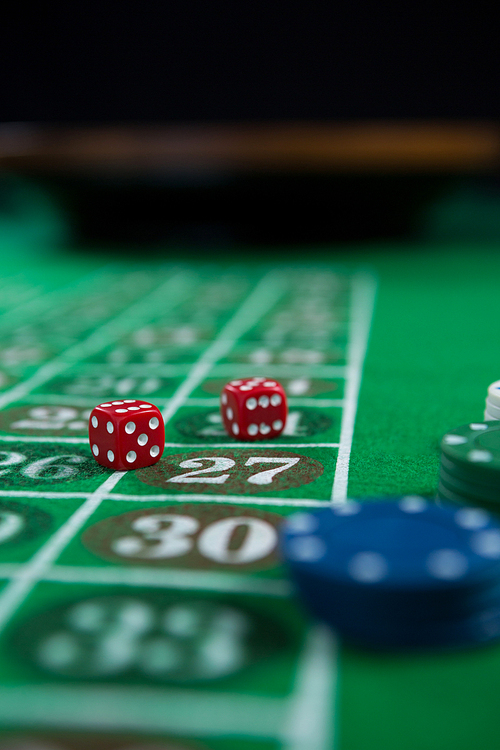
(253, 408)
(126, 434)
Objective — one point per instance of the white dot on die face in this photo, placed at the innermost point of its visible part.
(223, 398)
(264, 428)
(252, 429)
(133, 408)
(367, 567)
(117, 403)
(153, 423)
(142, 439)
(121, 411)
(95, 450)
(454, 439)
(110, 427)
(111, 456)
(94, 422)
(235, 382)
(144, 406)
(264, 401)
(154, 451)
(413, 504)
(447, 564)
(275, 399)
(131, 456)
(306, 548)
(236, 429)
(277, 424)
(472, 518)
(480, 457)
(269, 384)
(301, 523)
(487, 544)
(130, 428)
(478, 426)
(251, 403)
(229, 413)
(245, 387)
(129, 401)
(104, 404)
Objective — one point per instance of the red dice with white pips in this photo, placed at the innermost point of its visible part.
(253, 408)
(128, 434)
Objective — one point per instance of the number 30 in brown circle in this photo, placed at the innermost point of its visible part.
(190, 535)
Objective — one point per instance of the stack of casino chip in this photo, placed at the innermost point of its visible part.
(405, 574)
(470, 465)
(492, 410)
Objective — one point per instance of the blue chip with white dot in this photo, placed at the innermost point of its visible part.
(409, 543)
(382, 568)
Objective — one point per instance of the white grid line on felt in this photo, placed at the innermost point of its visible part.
(364, 287)
(263, 296)
(170, 292)
(17, 590)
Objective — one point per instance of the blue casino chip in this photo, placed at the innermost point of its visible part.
(479, 628)
(407, 572)
(410, 543)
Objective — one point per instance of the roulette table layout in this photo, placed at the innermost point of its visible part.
(151, 609)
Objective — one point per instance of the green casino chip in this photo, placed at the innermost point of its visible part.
(475, 491)
(475, 449)
(445, 493)
(455, 497)
(490, 482)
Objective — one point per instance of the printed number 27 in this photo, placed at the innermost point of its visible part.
(220, 463)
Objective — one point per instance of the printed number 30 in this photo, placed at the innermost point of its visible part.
(223, 464)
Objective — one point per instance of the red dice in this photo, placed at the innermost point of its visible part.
(253, 408)
(126, 434)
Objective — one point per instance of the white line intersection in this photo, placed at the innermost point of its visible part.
(318, 661)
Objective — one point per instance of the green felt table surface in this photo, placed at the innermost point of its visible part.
(382, 348)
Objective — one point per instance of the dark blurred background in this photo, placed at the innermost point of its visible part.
(194, 63)
(185, 61)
